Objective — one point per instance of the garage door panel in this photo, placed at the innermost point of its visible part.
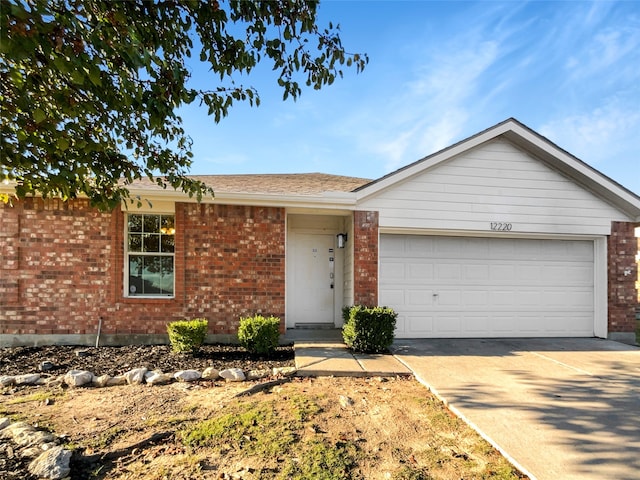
(392, 297)
(420, 270)
(393, 270)
(475, 325)
(488, 287)
(448, 298)
(528, 299)
(419, 298)
(475, 298)
(418, 325)
(447, 324)
(476, 273)
(447, 272)
(502, 298)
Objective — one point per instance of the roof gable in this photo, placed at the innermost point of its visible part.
(532, 143)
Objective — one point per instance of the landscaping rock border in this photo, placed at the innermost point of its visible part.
(139, 376)
(49, 459)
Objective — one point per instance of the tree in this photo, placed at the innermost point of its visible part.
(89, 89)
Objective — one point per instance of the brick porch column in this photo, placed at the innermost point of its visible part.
(365, 263)
(622, 275)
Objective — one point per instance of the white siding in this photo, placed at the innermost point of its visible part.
(348, 264)
(495, 182)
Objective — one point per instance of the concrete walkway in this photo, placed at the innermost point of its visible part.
(323, 353)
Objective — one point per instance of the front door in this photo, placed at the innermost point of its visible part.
(312, 279)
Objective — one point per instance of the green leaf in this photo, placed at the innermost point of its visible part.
(39, 116)
(62, 144)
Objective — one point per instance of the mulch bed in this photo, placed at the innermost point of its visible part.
(118, 360)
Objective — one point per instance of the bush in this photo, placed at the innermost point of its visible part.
(259, 335)
(369, 330)
(187, 335)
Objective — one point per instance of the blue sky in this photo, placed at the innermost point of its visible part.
(438, 73)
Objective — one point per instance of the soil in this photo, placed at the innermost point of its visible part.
(118, 360)
(395, 428)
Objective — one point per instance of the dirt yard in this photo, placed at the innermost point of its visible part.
(278, 428)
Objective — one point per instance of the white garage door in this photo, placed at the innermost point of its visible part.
(487, 287)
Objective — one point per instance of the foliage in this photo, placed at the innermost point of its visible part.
(259, 334)
(89, 89)
(369, 330)
(324, 461)
(257, 421)
(187, 335)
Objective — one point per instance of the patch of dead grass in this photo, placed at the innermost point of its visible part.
(392, 430)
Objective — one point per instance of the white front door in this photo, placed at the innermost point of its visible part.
(311, 283)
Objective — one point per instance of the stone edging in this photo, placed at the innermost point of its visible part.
(138, 376)
(50, 459)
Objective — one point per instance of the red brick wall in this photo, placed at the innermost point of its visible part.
(234, 263)
(623, 296)
(54, 272)
(62, 269)
(365, 282)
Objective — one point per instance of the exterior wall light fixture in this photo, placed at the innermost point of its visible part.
(342, 239)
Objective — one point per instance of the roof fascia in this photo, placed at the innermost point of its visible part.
(328, 200)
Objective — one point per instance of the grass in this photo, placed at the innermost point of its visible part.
(273, 430)
(107, 437)
(40, 396)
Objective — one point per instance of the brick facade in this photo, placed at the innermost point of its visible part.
(365, 281)
(63, 262)
(622, 274)
(62, 269)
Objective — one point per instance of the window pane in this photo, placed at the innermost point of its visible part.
(135, 275)
(167, 243)
(150, 275)
(167, 225)
(150, 243)
(167, 275)
(135, 223)
(135, 243)
(152, 223)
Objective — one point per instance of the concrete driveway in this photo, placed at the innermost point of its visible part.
(558, 408)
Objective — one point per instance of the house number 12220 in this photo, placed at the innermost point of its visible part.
(501, 227)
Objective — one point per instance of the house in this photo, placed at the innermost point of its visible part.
(503, 234)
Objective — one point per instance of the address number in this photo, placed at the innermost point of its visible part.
(501, 227)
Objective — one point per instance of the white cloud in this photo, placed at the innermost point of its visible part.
(601, 135)
(432, 107)
(612, 52)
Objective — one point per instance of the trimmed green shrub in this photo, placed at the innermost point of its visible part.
(187, 335)
(258, 334)
(369, 329)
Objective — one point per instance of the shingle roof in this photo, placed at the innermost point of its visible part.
(274, 184)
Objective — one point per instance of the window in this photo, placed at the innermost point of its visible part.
(150, 245)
